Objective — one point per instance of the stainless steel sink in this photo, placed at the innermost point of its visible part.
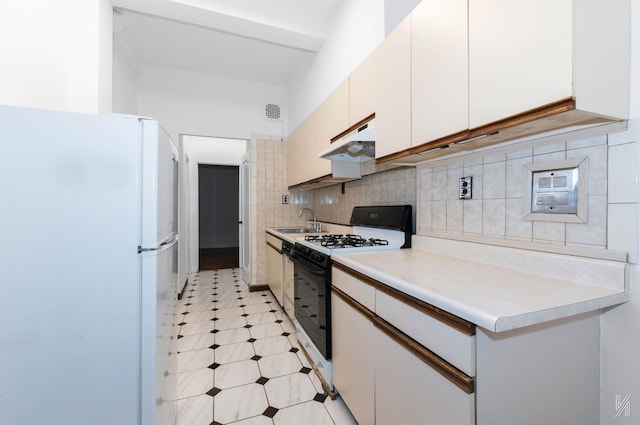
(298, 230)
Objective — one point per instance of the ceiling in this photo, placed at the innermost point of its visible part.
(254, 40)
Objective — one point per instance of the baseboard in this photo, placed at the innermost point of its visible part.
(184, 288)
(256, 288)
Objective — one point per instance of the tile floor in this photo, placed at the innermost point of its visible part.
(238, 362)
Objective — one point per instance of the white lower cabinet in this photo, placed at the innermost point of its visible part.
(398, 360)
(274, 268)
(385, 376)
(410, 392)
(352, 360)
(287, 279)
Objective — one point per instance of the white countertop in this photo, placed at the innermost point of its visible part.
(493, 297)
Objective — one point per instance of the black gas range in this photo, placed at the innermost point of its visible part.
(374, 228)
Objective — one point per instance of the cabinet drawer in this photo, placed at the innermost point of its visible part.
(358, 289)
(275, 242)
(453, 345)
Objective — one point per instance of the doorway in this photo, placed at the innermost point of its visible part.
(218, 211)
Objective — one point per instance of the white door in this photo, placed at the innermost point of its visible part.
(244, 223)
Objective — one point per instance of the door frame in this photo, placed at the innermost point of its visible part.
(206, 151)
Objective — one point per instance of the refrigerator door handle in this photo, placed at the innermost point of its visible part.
(170, 240)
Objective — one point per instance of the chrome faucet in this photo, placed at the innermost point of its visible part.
(315, 225)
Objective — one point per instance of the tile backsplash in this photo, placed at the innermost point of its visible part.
(268, 184)
(394, 187)
(496, 209)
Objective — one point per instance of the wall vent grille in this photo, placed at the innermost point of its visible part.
(272, 112)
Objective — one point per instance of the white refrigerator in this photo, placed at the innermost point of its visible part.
(88, 269)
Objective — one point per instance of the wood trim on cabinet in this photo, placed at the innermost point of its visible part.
(432, 144)
(353, 127)
(275, 247)
(545, 111)
(444, 368)
(445, 317)
(363, 277)
(310, 182)
(353, 304)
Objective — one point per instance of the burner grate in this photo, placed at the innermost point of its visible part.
(345, 241)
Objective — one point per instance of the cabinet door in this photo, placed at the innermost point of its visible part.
(274, 273)
(352, 339)
(314, 134)
(333, 117)
(410, 392)
(439, 70)
(393, 104)
(363, 86)
(520, 56)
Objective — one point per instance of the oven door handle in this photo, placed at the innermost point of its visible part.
(310, 267)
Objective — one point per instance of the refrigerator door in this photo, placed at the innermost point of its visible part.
(159, 184)
(159, 286)
(69, 295)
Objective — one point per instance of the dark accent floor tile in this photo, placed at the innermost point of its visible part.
(182, 323)
(179, 336)
(213, 366)
(285, 334)
(251, 340)
(320, 397)
(305, 370)
(294, 350)
(214, 346)
(262, 380)
(278, 321)
(256, 357)
(213, 391)
(270, 412)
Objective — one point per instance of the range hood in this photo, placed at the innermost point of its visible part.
(357, 145)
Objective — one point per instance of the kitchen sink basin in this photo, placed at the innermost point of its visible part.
(298, 230)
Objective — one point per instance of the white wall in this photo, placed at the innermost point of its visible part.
(356, 30)
(199, 104)
(56, 55)
(125, 82)
(620, 326)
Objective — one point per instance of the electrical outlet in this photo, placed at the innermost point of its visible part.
(465, 188)
(285, 199)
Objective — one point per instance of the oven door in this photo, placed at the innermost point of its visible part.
(312, 303)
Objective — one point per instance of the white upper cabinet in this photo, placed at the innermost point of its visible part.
(393, 102)
(314, 135)
(363, 89)
(529, 54)
(439, 70)
(520, 56)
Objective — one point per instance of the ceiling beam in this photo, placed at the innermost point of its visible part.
(223, 22)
